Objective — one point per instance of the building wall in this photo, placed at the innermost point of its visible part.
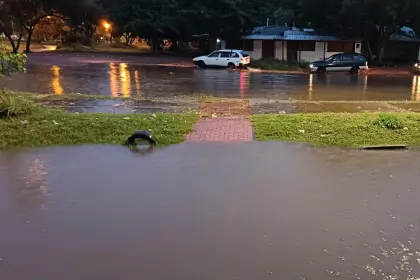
(318, 54)
(257, 52)
(281, 50)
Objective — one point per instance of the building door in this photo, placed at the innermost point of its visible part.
(267, 49)
(292, 50)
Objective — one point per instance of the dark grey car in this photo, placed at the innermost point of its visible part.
(344, 62)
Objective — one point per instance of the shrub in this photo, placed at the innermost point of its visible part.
(389, 121)
(11, 62)
(15, 105)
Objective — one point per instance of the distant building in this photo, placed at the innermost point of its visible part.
(290, 43)
(403, 46)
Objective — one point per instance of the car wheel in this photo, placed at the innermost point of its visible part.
(231, 66)
(321, 70)
(201, 64)
(354, 70)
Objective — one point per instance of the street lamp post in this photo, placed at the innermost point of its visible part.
(108, 27)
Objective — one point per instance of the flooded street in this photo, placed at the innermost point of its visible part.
(209, 211)
(116, 77)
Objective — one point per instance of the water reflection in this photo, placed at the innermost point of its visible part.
(26, 180)
(56, 85)
(416, 88)
(122, 79)
(125, 80)
(113, 79)
(244, 81)
(311, 85)
(137, 81)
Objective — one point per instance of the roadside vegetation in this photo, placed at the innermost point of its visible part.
(24, 123)
(340, 129)
(275, 64)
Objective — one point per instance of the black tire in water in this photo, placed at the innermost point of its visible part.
(231, 66)
(141, 135)
(201, 64)
(354, 70)
(321, 70)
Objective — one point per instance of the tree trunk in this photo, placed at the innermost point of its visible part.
(28, 40)
(127, 39)
(155, 44)
(12, 43)
(381, 51)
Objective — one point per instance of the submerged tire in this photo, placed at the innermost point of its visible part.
(321, 70)
(231, 66)
(201, 64)
(354, 70)
(141, 135)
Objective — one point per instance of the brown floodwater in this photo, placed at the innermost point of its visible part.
(116, 78)
(209, 211)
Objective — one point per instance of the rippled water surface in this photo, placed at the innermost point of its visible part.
(116, 78)
(209, 211)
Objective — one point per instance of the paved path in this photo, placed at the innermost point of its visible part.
(224, 129)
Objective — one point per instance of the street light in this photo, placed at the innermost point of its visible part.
(107, 26)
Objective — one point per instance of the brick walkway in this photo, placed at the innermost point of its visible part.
(224, 129)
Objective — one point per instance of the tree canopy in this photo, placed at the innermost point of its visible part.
(372, 20)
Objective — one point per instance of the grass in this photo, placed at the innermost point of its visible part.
(29, 125)
(340, 129)
(54, 127)
(13, 106)
(275, 64)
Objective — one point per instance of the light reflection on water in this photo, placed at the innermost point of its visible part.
(122, 79)
(56, 84)
(416, 88)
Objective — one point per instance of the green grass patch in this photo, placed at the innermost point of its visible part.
(275, 64)
(13, 106)
(54, 127)
(340, 129)
(25, 124)
(389, 121)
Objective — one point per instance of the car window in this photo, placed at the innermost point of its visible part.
(359, 58)
(244, 54)
(348, 57)
(225, 54)
(215, 54)
(234, 54)
(330, 59)
(338, 58)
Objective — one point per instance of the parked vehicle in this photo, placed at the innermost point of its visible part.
(224, 58)
(351, 62)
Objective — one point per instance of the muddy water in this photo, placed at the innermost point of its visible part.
(122, 79)
(209, 211)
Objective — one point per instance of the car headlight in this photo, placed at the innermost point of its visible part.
(311, 65)
(416, 65)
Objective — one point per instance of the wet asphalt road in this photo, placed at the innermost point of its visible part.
(122, 79)
(209, 211)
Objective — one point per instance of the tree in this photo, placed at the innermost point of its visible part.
(8, 22)
(377, 20)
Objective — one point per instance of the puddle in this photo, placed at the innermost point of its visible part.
(119, 77)
(209, 211)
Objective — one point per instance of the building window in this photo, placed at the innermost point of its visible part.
(248, 45)
(307, 46)
(340, 47)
